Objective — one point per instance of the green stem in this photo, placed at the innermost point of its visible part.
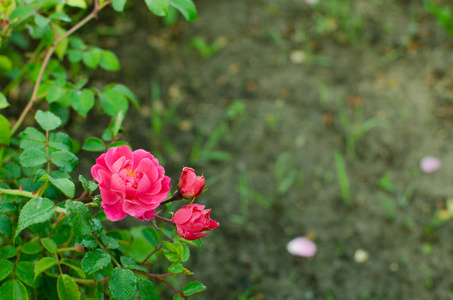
(17, 193)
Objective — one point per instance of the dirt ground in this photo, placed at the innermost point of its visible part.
(276, 88)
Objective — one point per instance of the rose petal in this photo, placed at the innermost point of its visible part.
(301, 246)
(430, 164)
(114, 212)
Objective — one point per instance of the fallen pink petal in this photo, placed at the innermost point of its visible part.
(430, 164)
(301, 246)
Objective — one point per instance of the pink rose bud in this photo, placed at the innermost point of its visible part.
(131, 183)
(191, 220)
(430, 164)
(301, 246)
(190, 186)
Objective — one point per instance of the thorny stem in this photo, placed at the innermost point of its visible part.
(176, 196)
(46, 60)
(168, 221)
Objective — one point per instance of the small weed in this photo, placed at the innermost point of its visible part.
(343, 178)
(203, 48)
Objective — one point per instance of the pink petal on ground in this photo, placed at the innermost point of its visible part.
(430, 164)
(301, 246)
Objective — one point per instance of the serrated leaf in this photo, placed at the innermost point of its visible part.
(170, 246)
(193, 287)
(54, 93)
(158, 7)
(123, 284)
(186, 253)
(33, 158)
(44, 264)
(60, 141)
(13, 290)
(109, 61)
(95, 260)
(5, 225)
(32, 138)
(93, 144)
(6, 267)
(147, 290)
(171, 256)
(35, 211)
(7, 207)
(65, 185)
(118, 5)
(82, 101)
(67, 288)
(31, 248)
(80, 218)
(88, 186)
(127, 93)
(151, 236)
(91, 58)
(3, 102)
(113, 102)
(129, 262)
(64, 160)
(89, 242)
(176, 268)
(47, 120)
(50, 245)
(5, 130)
(24, 270)
(187, 9)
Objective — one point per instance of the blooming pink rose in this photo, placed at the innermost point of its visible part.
(131, 183)
(191, 220)
(190, 186)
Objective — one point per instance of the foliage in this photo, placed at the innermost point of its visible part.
(53, 242)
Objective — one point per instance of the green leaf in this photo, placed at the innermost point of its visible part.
(24, 270)
(187, 9)
(31, 248)
(89, 242)
(22, 12)
(47, 120)
(80, 218)
(62, 46)
(88, 186)
(109, 61)
(139, 249)
(7, 207)
(129, 262)
(113, 102)
(91, 58)
(80, 273)
(54, 93)
(67, 288)
(176, 268)
(6, 64)
(123, 284)
(118, 5)
(193, 287)
(77, 3)
(5, 225)
(3, 102)
(13, 290)
(186, 253)
(41, 21)
(171, 256)
(147, 290)
(93, 144)
(32, 138)
(50, 245)
(127, 93)
(82, 101)
(150, 235)
(170, 246)
(5, 130)
(95, 260)
(60, 141)
(44, 264)
(64, 160)
(65, 185)
(8, 252)
(35, 211)
(158, 7)
(60, 16)
(33, 158)
(6, 267)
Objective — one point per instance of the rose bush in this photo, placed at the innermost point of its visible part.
(131, 183)
(191, 220)
(190, 185)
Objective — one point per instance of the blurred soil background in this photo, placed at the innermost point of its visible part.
(306, 120)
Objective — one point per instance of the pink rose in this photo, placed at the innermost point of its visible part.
(190, 186)
(131, 183)
(191, 220)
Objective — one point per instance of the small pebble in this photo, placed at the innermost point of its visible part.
(361, 256)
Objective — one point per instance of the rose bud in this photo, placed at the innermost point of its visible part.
(190, 186)
(131, 183)
(191, 220)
